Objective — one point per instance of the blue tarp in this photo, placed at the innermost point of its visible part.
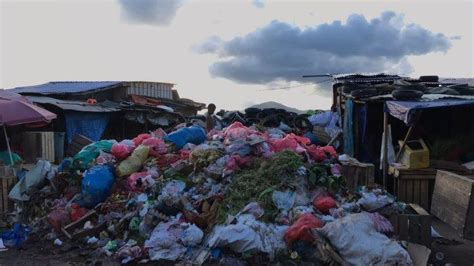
(91, 125)
(406, 110)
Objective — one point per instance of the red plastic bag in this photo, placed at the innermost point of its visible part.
(301, 229)
(140, 138)
(324, 204)
(157, 146)
(77, 212)
(121, 151)
(57, 218)
(320, 154)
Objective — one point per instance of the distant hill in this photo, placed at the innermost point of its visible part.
(276, 105)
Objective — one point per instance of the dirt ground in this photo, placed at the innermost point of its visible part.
(457, 252)
(43, 252)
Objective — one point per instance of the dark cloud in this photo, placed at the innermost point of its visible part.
(258, 3)
(153, 12)
(280, 51)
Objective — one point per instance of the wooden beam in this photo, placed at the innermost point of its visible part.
(385, 153)
(408, 135)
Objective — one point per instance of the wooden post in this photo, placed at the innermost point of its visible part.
(410, 129)
(385, 152)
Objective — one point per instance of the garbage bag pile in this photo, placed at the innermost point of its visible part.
(238, 194)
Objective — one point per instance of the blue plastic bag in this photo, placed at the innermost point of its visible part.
(16, 236)
(193, 134)
(96, 185)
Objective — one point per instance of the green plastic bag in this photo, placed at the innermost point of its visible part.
(85, 158)
(134, 162)
(5, 158)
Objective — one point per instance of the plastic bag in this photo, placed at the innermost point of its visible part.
(382, 225)
(157, 146)
(237, 131)
(192, 236)
(320, 154)
(84, 159)
(32, 179)
(254, 209)
(357, 241)
(301, 229)
(77, 212)
(133, 163)
(105, 158)
(193, 134)
(96, 185)
(121, 151)
(371, 201)
(284, 200)
(140, 181)
(289, 142)
(163, 243)
(138, 140)
(249, 235)
(324, 204)
(58, 217)
(16, 236)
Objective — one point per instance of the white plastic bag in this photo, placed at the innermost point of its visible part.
(358, 242)
(249, 234)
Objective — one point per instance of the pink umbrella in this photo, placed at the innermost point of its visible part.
(17, 110)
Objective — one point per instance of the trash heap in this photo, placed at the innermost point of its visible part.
(240, 194)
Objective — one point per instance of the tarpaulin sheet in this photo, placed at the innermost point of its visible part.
(91, 125)
(406, 110)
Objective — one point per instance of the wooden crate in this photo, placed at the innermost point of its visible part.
(358, 175)
(417, 185)
(453, 202)
(413, 226)
(38, 145)
(414, 186)
(6, 184)
(78, 142)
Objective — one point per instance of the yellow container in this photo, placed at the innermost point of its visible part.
(415, 155)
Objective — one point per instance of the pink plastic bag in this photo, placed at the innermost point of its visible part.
(237, 131)
(121, 151)
(290, 142)
(138, 182)
(140, 138)
(157, 146)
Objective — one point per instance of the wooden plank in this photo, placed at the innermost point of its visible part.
(416, 191)
(403, 227)
(423, 176)
(409, 191)
(453, 201)
(425, 230)
(418, 209)
(424, 194)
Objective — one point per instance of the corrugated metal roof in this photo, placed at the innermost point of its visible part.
(60, 87)
(72, 105)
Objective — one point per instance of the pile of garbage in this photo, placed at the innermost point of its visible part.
(237, 194)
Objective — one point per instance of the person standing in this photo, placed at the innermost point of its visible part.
(211, 108)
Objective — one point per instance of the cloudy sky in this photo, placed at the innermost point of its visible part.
(233, 52)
